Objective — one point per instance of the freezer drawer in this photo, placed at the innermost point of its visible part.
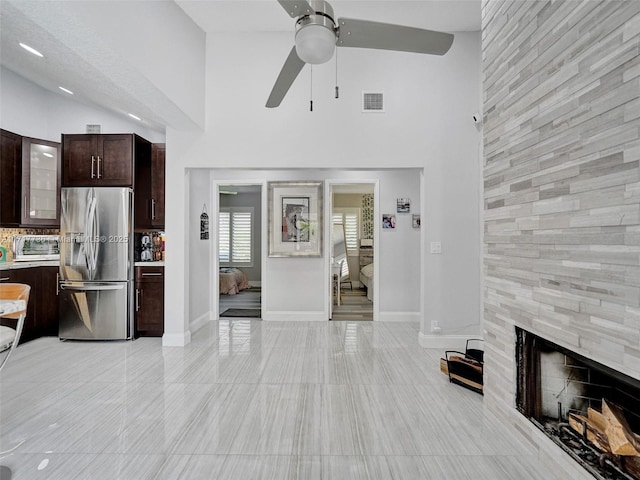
(94, 311)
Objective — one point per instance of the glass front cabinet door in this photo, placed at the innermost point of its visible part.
(41, 170)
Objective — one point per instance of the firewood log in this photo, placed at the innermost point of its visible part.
(593, 433)
(597, 419)
(621, 438)
(632, 466)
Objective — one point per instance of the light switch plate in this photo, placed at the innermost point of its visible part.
(436, 247)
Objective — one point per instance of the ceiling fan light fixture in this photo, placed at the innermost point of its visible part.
(315, 43)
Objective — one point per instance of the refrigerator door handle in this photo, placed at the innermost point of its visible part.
(89, 288)
(91, 236)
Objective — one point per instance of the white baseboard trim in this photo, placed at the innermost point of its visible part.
(176, 339)
(200, 322)
(444, 342)
(295, 316)
(399, 317)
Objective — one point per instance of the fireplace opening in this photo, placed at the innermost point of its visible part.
(588, 409)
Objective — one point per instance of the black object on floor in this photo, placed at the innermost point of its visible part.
(241, 312)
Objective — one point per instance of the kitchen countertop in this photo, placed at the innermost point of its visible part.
(16, 265)
(55, 263)
(149, 264)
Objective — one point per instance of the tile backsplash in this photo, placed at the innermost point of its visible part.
(6, 236)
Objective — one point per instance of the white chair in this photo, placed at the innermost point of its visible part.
(14, 298)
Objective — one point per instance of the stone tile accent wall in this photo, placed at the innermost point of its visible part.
(561, 177)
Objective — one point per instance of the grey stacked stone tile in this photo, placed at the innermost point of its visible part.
(561, 87)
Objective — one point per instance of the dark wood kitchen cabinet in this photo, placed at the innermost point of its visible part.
(10, 178)
(41, 172)
(149, 301)
(149, 188)
(47, 306)
(104, 160)
(29, 181)
(42, 309)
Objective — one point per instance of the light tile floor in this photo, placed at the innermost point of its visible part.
(251, 400)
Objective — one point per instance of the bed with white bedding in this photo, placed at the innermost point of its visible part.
(366, 278)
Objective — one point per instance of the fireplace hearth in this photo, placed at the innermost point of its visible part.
(564, 394)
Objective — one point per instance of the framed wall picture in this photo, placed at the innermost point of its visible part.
(415, 220)
(404, 205)
(295, 219)
(388, 220)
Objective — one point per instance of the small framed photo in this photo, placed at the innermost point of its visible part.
(404, 205)
(388, 220)
(415, 220)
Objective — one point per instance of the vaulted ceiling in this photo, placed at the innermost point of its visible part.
(79, 58)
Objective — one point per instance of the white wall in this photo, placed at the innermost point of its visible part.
(199, 251)
(158, 38)
(306, 291)
(427, 125)
(30, 110)
(145, 57)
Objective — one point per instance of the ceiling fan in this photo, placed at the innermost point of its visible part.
(317, 35)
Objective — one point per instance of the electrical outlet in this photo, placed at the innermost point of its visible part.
(436, 247)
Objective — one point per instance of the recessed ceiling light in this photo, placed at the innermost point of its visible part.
(66, 90)
(134, 116)
(31, 49)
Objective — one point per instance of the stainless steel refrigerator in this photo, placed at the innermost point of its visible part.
(96, 263)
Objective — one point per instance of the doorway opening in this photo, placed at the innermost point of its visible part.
(240, 251)
(352, 251)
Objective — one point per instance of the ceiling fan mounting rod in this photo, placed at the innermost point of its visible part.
(319, 18)
(323, 15)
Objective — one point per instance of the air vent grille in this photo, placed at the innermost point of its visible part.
(94, 128)
(372, 102)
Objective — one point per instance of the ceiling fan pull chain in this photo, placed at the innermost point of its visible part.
(337, 90)
(311, 92)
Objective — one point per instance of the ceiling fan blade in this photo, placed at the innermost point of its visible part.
(386, 36)
(288, 74)
(296, 8)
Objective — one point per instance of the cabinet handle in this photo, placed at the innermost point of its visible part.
(93, 161)
(151, 274)
(137, 299)
(99, 160)
(153, 209)
(24, 208)
(4, 279)
(57, 284)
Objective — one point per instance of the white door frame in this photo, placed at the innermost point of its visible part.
(329, 183)
(213, 228)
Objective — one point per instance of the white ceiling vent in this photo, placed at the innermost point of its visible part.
(372, 102)
(93, 128)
